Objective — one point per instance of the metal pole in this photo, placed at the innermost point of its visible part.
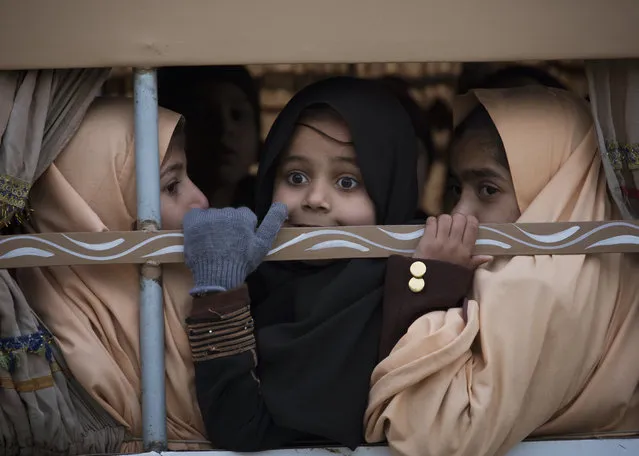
(147, 173)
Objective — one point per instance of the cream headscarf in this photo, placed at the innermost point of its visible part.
(549, 344)
(93, 311)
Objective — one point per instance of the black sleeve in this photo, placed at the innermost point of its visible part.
(228, 390)
(445, 286)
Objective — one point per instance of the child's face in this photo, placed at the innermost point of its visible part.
(478, 184)
(178, 194)
(223, 136)
(319, 180)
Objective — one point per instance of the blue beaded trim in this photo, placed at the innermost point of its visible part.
(38, 343)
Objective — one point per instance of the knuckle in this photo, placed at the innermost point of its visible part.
(459, 218)
(472, 221)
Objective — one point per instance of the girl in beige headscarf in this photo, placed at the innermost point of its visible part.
(93, 311)
(548, 344)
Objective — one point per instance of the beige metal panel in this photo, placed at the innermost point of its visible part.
(89, 33)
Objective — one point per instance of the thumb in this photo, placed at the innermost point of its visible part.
(479, 260)
(272, 223)
(193, 218)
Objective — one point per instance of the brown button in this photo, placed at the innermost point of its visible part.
(418, 269)
(416, 284)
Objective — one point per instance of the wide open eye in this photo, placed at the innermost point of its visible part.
(296, 178)
(347, 183)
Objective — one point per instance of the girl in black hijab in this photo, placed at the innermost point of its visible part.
(286, 357)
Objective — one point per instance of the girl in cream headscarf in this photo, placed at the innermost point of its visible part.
(93, 310)
(548, 344)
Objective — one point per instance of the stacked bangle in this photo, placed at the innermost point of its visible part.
(225, 335)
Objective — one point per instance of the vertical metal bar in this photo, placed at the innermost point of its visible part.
(147, 173)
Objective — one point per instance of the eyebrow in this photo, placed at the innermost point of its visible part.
(174, 167)
(479, 173)
(326, 135)
(350, 160)
(292, 158)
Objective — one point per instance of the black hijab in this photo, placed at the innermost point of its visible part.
(318, 327)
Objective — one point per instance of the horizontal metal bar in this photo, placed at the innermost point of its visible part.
(54, 249)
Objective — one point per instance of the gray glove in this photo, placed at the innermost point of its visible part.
(222, 246)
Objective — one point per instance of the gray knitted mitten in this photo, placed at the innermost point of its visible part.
(222, 246)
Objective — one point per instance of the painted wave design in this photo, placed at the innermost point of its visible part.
(553, 241)
(492, 242)
(98, 247)
(363, 244)
(337, 238)
(553, 237)
(543, 241)
(626, 239)
(27, 251)
(404, 236)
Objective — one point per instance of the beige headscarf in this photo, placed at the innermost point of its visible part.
(93, 311)
(549, 344)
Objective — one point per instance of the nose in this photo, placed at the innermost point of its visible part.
(317, 197)
(230, 126)
(466, 206)
(198, 200)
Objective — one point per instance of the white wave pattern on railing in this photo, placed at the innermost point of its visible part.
(27, 251)
(404, 236)
(617, 240)
(165, 251)
(552, 241)
(338, 244)
(501, 245)
(561, 239)
(627, 239)
(332, 232)
(100, 247)
(551, 238)
(32, 251)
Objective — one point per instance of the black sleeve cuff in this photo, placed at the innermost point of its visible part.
(445, 287)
